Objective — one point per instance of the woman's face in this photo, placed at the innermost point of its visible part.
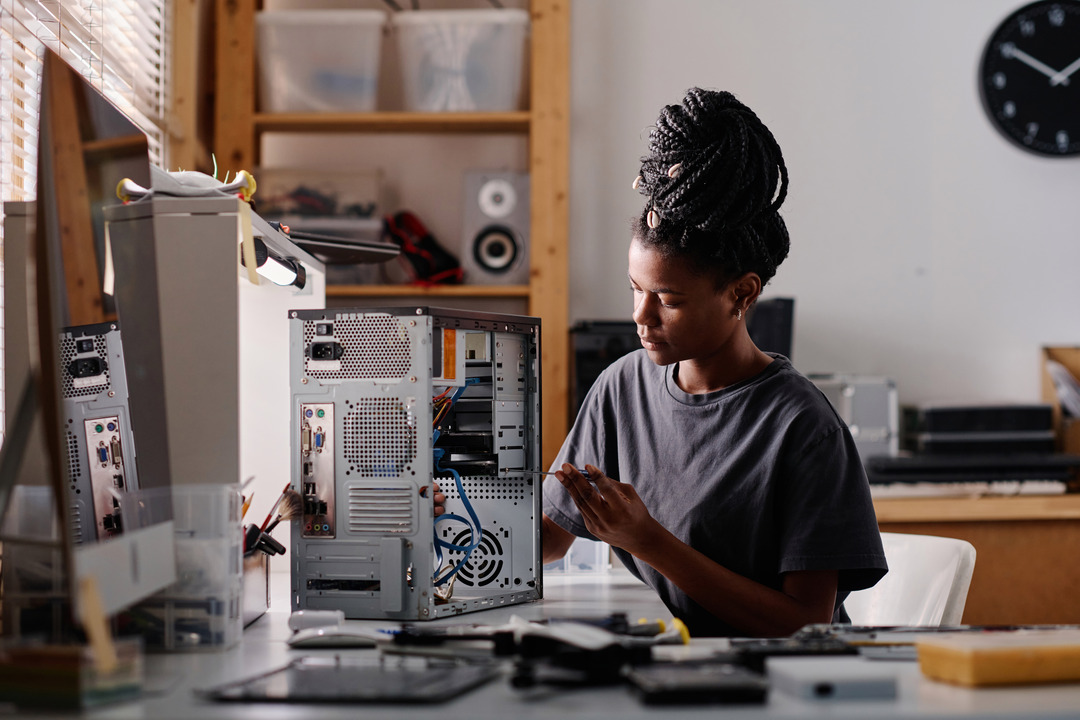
(680, 315)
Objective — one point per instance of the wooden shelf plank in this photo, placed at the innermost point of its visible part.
(394, 122)
(1024, 507)
(478, 291)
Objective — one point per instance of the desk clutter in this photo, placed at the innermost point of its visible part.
(652, 659)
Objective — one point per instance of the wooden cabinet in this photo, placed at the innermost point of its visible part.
(1025, 563)
(239, 126)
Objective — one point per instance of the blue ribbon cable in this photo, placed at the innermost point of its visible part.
(475, 530)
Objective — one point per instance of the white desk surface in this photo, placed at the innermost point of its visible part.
(171, 678)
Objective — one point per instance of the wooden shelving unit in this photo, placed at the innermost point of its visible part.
(238, 127)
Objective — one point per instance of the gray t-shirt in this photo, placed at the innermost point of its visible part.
(762, 477)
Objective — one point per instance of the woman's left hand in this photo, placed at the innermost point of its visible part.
(612, 510)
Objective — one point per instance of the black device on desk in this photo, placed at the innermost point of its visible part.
(698, 683)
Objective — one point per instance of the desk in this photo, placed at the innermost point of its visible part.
(1025, 565)
(171, 678)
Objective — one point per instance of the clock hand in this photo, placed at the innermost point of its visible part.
(1011, 51)
(1062, 78)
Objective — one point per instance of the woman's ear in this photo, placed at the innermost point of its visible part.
(745, 290)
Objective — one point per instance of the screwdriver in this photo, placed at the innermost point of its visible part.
(508, 471)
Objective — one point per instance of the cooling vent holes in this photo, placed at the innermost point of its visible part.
(379, 437)
(68, 351)
(374, 346)
(483, 488)
(74, 465)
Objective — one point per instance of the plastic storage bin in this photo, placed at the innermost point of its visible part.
(202, 609)
(585, 557)
(319, 60)
(461, 60)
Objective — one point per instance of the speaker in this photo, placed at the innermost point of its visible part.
(496, 228)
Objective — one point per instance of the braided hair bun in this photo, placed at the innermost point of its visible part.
(715, 179)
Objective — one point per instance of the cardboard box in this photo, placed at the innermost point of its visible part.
(1066, 428)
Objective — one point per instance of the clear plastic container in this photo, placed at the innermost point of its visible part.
(462, 60)
(585, 557)
(202, 609)
(319, 60)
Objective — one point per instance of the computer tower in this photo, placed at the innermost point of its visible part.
(100, 447)
(97, 427)
(385, 402)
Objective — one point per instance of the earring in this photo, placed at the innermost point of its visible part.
(738, 313)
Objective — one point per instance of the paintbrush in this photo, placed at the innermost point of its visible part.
(273, 510)
(292, 506)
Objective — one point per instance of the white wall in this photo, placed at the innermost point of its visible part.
(925, 247)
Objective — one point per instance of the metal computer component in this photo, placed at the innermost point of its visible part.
(97, 427)
(387, 402)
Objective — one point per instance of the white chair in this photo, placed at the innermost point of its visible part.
(927, 583)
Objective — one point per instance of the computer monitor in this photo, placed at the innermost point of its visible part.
(85, 147)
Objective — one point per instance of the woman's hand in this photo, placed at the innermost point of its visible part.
(612, 510)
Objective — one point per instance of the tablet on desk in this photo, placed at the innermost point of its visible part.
(356, 680)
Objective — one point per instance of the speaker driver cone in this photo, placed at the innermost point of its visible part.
(495, 249)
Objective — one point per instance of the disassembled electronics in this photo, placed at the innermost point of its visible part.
(386, 403)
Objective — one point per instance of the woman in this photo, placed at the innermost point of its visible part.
(720, 476)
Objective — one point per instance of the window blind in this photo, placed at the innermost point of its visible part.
(119, 46)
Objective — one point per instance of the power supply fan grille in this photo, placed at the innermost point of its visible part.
(67, 354)
(379, 437)
(376, 346)
(381, 510)
(487, 561)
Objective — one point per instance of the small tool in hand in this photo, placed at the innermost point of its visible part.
(508, 471)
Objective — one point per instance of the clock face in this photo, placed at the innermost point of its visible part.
(1029, 78)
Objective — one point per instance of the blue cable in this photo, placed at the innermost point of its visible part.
(475, 530)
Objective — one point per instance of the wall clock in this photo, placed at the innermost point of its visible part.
(1029, 77)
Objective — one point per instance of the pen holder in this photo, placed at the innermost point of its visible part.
(256, 586)
(202, 609)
